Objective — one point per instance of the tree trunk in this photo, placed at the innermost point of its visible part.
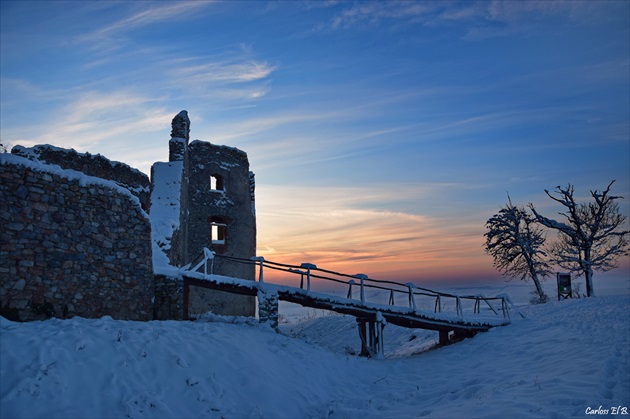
(588, 273)
(542, 297)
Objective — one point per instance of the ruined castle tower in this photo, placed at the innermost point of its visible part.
(216, 211)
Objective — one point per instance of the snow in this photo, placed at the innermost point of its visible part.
(164, 213)
(564, 359)
(226, 147)
(35, 152)
(83, 179)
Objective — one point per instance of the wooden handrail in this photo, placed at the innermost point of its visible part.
(412, 290)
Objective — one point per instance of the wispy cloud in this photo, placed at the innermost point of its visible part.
(478, 17)
(515, 11)
(225, 72)
(111, 107)
(94, 117)
(235, 78)
(247, 128)
(106, 36)
(15, 89)
(374, 12)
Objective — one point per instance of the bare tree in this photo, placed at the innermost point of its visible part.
(590, 238)
(516, 244)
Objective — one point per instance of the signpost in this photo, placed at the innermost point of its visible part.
(564, 285)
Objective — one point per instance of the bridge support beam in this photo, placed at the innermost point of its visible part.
(362, 324)
(371, 335)
(443, 340)
(446, 337)
(268, 308)
(461, 334)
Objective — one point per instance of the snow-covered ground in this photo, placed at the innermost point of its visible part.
(565, 359)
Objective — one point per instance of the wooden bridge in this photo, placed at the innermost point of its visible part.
(450, 315)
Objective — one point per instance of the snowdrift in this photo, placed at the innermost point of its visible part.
(565, 359)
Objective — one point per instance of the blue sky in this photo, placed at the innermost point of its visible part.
(383, 134)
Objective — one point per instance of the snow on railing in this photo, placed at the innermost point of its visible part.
(208, 255)
(413, 291)
(261, 261)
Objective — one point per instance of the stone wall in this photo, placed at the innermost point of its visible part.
(92, 165)
(169, 298)
(71, 244)
(229, 204)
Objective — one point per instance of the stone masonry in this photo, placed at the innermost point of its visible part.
(228, 208)
(92, 165)
(217, 212)
(71, 245)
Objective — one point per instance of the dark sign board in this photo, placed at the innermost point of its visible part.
(564, 285)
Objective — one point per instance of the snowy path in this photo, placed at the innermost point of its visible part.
(565, 358)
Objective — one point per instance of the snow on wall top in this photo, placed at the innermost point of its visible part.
(82, 178)
(199, 143)
(92, 165)
(36, 152)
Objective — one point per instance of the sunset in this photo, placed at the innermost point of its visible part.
(314, 209)
(383, 135)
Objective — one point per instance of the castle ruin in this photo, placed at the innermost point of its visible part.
(216, 211)
(85, 236)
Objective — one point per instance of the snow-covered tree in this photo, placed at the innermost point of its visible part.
(516, 244)
(591, 236)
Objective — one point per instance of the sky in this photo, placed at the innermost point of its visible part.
(383, 135)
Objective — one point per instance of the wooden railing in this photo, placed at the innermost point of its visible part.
(411, 292)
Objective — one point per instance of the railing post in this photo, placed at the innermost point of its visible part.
(297, 271)
(261, 260)
(391, 298)
(412, 301)
(438, 304)
(380, 341)
(362, 278)
(363, 335)
(362, 290)
(350, 284)
(504, 306)
(506, 303)
(490, 305)
(208, 255)
(460, 311)
(308, 267)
